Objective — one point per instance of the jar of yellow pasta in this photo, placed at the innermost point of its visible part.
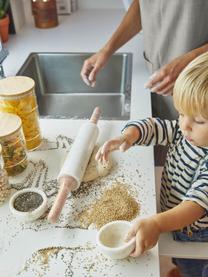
(17, 95)
(13, 143)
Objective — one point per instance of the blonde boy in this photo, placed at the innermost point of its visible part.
(184, 183)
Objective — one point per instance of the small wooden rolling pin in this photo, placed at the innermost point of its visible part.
(75, 164)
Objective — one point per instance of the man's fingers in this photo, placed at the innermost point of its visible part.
(90, 79)
(157, 77)
(93, 84)
(151, 78)
(160, 83)
(85, 79)
(168, 92)
(165, 90)
(163, 84)
(92, 75)
(88, 73)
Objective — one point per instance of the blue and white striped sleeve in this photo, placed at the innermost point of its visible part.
(155, 131)
(198, 191)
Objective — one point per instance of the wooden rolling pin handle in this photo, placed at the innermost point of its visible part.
(95, 115)
(67, 184)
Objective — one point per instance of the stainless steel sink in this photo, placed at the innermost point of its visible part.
(62, 93)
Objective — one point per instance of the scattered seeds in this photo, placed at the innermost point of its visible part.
(46, 253)
(115, 204)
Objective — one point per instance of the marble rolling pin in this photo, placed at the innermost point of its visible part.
(74, 167)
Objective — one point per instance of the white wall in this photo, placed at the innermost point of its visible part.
(18, 14)
(27, 11)
(82, 4)
(100, 4)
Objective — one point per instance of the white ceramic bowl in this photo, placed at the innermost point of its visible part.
(111, 239)
(29, 215)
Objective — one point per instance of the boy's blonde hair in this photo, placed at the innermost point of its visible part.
(190, 93)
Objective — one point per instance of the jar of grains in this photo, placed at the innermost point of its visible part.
(17, 95)
(13, 143)
(4, 181)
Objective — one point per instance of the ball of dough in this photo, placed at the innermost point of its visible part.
(96, 169)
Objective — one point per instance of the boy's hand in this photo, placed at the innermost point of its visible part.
(147, 233)
(118, 143)
(122, 143)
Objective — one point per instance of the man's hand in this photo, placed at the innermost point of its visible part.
(162, 81)
(92, 66)
(147, 233)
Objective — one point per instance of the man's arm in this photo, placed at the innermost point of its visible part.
(129, 27)
(162, 81)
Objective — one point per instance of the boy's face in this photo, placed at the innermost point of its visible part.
(194, 129)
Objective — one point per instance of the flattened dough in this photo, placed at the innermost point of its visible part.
(96, 169)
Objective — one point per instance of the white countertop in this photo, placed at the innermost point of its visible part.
(69, 240)
(87, 31)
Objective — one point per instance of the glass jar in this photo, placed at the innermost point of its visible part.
(13, 144)
(45, 13)
(4, 181)
(17, 95)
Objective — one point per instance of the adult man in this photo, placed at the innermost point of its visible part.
(175, 32)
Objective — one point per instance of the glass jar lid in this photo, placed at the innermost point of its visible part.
(15, 86)
(10, 123)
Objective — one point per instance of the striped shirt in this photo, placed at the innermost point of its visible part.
(185, 174)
